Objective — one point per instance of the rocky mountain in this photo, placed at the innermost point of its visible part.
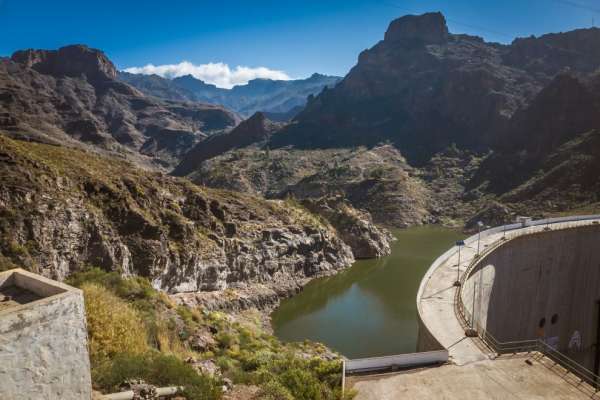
(282, 99)
(64, 209)
(71, 96)
(486, 129)
(423, 88)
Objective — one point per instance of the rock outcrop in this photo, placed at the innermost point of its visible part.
(355, 227)
(74, 61)
(549, 157)
(70, 96)
(64, 209)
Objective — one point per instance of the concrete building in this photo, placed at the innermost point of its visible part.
(43, 339)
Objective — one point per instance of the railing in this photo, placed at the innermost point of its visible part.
(400, 361)
(520, 346)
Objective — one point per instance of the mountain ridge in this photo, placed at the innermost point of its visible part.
(258, 95)
(70, 96)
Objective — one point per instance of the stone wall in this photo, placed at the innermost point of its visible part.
(43, 349)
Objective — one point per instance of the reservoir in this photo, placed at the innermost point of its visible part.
(369, 309)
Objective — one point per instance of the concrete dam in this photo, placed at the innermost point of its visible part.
(546, 286)
(510, 312)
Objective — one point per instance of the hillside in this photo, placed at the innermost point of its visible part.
(71, 96)
(283, 99)
(64, 209)
(481, 129)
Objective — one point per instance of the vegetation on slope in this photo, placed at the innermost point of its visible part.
(120, 308)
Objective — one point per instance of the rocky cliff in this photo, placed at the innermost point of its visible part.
(485, 128)
(355, 227)
(70, 96)
(64, 209)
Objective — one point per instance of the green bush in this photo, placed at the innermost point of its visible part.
(131, 288)
(273, 390)
(156, 369)
(303, 385)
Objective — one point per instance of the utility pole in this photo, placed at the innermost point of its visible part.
(459, 243)
(479, 225)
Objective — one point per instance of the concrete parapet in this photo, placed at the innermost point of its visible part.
(43, 339)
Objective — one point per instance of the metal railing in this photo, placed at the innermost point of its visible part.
(466, 319)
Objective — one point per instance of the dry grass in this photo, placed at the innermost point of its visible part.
(113, 325)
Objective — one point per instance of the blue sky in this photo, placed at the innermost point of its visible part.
(295, 37)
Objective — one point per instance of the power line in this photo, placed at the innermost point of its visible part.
(579, 5)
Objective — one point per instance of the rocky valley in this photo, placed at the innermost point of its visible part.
(190, 211)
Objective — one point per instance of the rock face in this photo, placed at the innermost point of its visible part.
(282, 99)
(70, 96)
(426, 29)
(424, 89)
(62, 209)
(255, 129)
(73, 61)
(355, 227)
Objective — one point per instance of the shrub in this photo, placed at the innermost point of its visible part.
(131, 288)
(156, 369)
(273, 390)
(113, 326)
(303, 385)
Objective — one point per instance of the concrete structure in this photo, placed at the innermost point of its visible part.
(544, 285)
(43, 339)
(531, 280)
(507, 378)
(440, 323)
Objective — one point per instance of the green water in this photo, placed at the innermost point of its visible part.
(369, 309)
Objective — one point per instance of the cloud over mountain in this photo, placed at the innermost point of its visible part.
(219, 74)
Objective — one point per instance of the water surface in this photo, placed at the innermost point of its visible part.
(369, 309)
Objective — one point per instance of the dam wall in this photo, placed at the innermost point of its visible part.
(543, 285)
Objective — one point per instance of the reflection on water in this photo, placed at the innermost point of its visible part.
(370, 309)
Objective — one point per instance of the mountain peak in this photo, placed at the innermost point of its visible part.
(73, 60)
(429, 28)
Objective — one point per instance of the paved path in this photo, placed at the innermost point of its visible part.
(502, 379)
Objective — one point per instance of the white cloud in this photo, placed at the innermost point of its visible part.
(218, 74)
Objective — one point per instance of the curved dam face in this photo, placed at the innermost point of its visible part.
(544, 285)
